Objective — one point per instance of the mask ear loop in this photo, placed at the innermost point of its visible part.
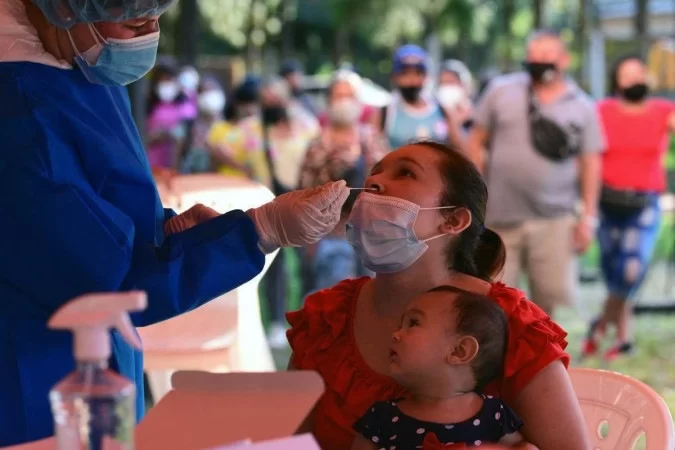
(98, 39)
(436, 209)
(72, 43)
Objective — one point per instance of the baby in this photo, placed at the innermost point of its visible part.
(451, 344)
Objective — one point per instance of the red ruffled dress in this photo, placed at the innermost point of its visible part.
(322, 339)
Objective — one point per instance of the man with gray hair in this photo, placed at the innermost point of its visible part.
(538, 140)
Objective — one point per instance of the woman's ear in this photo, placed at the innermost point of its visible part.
(458, 220)
(463, 352)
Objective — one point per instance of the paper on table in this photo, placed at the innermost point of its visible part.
(206, 410)
(44, 444)
(301, 442)
(235, 446)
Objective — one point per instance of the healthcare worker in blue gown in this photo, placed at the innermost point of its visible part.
(79, 211)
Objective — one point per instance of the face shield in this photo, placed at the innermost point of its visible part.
(66, 13)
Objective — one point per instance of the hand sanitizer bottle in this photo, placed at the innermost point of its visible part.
(94, 407)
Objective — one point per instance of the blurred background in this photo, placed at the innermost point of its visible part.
(229, 46)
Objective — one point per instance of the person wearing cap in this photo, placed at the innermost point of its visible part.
(410, 115)
(292, 72)
(245, 100)
(80, 207)
(455, 88)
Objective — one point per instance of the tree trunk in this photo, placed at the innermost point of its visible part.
(538, 11)
(581, 40)
(342, 40)
(464, 46)
(508, 8)
(640, 26)
(250, 45)
(287, 31)
(188, 28)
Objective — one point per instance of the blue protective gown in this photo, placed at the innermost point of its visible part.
(79, 213)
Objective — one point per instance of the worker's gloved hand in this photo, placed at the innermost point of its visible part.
(299, 218)
(193, 216)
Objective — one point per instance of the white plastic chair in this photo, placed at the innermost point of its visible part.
(619, 409)
(226, 334)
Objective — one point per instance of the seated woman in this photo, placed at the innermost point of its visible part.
(434, 192)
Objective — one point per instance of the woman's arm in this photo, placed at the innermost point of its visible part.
(307, 425)
(551, 412)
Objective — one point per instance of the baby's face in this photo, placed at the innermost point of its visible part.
(426, 336)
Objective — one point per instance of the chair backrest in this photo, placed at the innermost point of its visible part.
(618, 410)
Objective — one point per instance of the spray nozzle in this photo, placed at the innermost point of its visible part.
(91, 316)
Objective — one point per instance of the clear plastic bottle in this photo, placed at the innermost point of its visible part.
(94, 408)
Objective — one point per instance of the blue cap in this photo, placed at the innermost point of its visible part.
(289, 67)
(410, 55)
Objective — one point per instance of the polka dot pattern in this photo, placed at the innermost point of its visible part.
(392, 429)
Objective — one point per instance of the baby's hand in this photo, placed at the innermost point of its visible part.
(516, 440)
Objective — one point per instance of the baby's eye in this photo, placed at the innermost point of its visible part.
(412, 322)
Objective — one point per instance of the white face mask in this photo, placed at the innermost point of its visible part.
(167, 91)
(381, 230)
(451, 95)
(189, 80)
(211, 102)
(345, 111)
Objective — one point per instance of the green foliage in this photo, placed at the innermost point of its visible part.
(324, 32)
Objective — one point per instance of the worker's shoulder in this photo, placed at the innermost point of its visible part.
(34, 117)
(17, 74)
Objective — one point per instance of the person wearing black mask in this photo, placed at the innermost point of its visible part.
(633, 177)
(411, 115)
(292, 72)
(281, 135)
(543, 190)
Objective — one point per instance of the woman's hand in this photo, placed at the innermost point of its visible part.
(361, 443)
(584, 232)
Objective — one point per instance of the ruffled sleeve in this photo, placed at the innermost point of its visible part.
(322, 339)
(535, 341)
(320, 323)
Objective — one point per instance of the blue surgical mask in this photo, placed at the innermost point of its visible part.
(381, 230)
(117, 62)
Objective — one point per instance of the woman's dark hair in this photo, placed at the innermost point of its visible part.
(614, 72)
(478, 251)
(482, 318)
(163, 68)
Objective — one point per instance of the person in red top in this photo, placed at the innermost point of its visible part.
(432, 191)
(637, 128)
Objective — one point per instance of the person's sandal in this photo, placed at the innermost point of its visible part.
(589, 346)
(623, 349)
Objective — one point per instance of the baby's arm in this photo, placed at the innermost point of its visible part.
(361, 443)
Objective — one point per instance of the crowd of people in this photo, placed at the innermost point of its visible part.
(431, 349)
(547, 208)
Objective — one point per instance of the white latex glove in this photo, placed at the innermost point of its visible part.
(299, 218)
